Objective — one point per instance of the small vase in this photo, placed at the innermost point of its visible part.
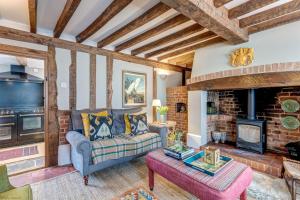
(223, 137)
(216, 136)
(163, 119)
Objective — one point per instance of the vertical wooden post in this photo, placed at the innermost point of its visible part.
(154, 93)
(183, 78)
(72, 81)
(92, 81)
(53, 127)
(109, 74)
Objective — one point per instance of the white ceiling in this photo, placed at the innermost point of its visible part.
(14, 13)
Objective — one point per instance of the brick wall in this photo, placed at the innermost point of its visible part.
(268, 107)
(64, 122)
(177, 95)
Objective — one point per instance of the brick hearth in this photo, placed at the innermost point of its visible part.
(270, 163)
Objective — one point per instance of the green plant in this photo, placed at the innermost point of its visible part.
(162, 110)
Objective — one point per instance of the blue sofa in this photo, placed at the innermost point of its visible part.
(81, 147)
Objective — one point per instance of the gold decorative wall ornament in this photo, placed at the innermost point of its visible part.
(242, 57)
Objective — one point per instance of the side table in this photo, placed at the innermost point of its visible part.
(163, 130)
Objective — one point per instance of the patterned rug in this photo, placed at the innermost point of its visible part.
(115, 181)
(138, 193)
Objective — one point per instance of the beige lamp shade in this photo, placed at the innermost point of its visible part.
(156, 103)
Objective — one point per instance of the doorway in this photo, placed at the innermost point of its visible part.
(23, 105)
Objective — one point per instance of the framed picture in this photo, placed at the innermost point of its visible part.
(134, 87)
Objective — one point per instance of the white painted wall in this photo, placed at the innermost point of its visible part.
(83, 80)
(275, 45)
(173, 79)
(119, 66)
(63, 62)
(101, 81)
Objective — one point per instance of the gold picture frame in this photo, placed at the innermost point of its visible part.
(134, 89)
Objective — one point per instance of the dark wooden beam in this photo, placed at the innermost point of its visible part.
(67, 13)
(148, 16)
(185, 59)
(184, 43)
(170, 38)
(295, 16)
(208, 16)
(248, 7)
(112, 10)
(192, 48)
(24, 36)
(109, 75)
(32, 7)
(271, 13)
(263, 80)
(171, 23)
(72, 81)
(93, 80)
(219, 3)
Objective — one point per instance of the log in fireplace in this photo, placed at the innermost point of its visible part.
(251, 133)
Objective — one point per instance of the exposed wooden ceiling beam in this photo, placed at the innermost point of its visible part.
(68, 11)
(192, 48)
(186, 59)
(213, 19)
(32, 7)
(219, 3)
(248, 7)
(184, 43)
(148, 16)
(170, 38)
(295, 16)
(24, 36)
(171, 23)
(112, 10)
(271, 13)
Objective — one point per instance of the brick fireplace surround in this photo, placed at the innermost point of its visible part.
(232, 103)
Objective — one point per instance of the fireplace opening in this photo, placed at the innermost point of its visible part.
(251, 133)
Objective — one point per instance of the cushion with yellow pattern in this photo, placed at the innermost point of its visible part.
(86, 121)
(127, 125)
(138, 124)
(100, 127)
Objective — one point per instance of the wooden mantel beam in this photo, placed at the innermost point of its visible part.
(112, 10)
(148, 16)
(32, 7)
(67, 13)
(204, 13)
(14, 34)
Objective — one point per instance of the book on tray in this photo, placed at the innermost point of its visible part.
(179, 151)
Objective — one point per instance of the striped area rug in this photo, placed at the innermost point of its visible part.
(110, 183)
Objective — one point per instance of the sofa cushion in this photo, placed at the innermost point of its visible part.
(138, 124)
(77, 120)
(119, 123)
(100, 127)
(122, 146)
(86, 121)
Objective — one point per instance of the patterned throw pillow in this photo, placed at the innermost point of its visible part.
(86, 121)
(138, 124)
(100, 127)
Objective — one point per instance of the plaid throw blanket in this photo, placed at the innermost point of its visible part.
(122, 146)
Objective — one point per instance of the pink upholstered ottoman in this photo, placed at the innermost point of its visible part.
(229, 184)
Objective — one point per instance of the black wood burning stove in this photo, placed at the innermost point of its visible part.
(251, 133)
